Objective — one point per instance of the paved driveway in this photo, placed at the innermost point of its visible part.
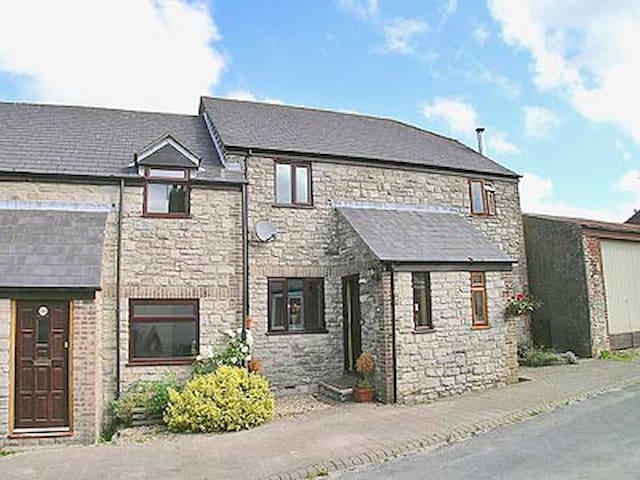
(333, 439)
(590, 440)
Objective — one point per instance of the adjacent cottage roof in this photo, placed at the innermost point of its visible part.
(50, 248)
(635, 218)
(421, 236)
(262, 126)
(52, 139)
(591, 224)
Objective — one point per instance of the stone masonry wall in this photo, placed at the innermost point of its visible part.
(198, 257)
(305, 246)
(5, 342)
(597, 299)
(454, 357)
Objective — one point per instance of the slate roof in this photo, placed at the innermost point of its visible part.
(263, 126)
(421, 236)
(635, 218)
(591, 224)
(51, 248)
(54, 139)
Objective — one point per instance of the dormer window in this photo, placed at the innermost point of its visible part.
(166, 192)
(168, 168)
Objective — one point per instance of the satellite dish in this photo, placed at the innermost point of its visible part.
(265, 231)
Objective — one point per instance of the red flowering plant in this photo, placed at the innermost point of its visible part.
(522, 304)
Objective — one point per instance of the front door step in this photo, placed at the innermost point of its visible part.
(339, 389)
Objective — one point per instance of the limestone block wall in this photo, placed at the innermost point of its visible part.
(195, 258)
(306, 246)
(5, 368)
(454, 357)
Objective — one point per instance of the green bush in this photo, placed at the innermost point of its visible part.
(152, 396)
(540, 357)
(229, 399)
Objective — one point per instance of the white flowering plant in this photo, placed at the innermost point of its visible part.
(236, 353)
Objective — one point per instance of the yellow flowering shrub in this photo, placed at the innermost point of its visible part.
(229, 399)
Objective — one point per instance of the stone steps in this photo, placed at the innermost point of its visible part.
(336, 393)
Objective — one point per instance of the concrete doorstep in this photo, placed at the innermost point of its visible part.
(331, 440)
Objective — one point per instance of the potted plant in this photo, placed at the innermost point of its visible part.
(522, 304)
(364, 390)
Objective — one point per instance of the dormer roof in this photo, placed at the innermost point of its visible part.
(167, 151)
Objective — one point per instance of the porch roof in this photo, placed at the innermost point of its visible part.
(51, 245)
(417, 235)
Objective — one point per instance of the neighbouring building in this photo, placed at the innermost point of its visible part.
(133, 239)
(587, 275)
(635, 218)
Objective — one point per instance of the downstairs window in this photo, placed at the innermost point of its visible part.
(296, 305)
(163, 331)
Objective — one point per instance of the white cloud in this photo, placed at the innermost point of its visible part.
(400, 34)
(481, 35)
(537, 196)
(584, 50)
(151, 54)
(629, 183)
(497, 142)
(361, 8)
(459, 115)
(539, 121)
(450, 8)
(251, 97)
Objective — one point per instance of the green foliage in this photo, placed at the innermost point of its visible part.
(153, 396)
(540, 357)
(6, 453)
(619, 355)
(522, 304)
(364, 383)
(229, 399)
(236, 352)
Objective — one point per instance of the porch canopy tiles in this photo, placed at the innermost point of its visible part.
(51, 246)
(414, 238)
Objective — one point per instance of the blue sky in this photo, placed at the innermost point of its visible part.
(554, 83)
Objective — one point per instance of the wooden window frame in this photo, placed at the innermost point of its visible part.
(479, 286)
(294, 167)
(164, 360)
(427, 283)
(148, 179)
(322, 328)
(488, 198)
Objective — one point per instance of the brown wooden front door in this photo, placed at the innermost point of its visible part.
(42, 365)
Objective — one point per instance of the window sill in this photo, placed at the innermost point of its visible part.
(160, 362)
(303, 206)
(480, 327)
(422, 330)
(165, 215)
(284, 332)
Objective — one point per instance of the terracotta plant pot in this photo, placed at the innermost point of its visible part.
(363, 394)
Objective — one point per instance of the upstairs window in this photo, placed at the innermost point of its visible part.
(293, 184)
(483, 200)
(422, 301)
(296, 305)
(166, 192)
(479, 299)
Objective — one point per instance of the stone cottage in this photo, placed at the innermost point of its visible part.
(130, 240)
